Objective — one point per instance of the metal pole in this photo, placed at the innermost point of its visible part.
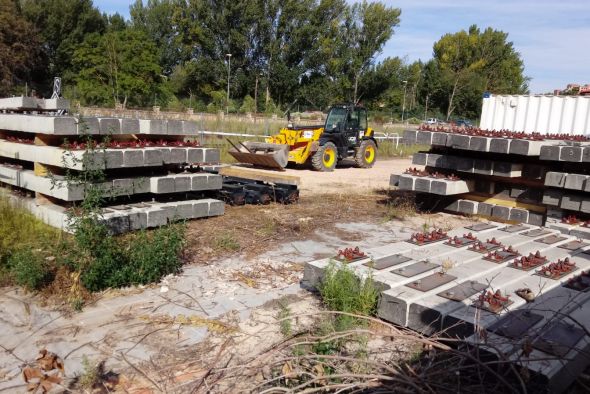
(256, 97)
(228, 76)
(404, 104)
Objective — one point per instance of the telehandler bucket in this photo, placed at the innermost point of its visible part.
(261, 154)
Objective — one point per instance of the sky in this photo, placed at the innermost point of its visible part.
(552, 36)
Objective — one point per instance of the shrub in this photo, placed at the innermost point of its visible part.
(28, 269)
(343, 291)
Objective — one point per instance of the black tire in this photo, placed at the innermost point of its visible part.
(366, 154)
(325, 158)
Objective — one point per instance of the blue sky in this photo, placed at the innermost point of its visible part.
(552, 36)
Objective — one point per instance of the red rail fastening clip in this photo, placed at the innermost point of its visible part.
(558, 269)
(350, 253)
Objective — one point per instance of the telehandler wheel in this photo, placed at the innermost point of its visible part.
(325, 158)
(366, 154)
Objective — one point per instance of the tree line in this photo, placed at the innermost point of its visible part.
(276, 55)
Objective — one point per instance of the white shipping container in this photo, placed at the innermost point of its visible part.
(536, 113)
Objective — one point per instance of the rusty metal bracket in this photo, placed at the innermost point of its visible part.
(415, 269)
(516, 324)
(431, 282)
(463, 290)
(386, 262)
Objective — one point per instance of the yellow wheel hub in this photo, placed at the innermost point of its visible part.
(370, 154)
(329, 157)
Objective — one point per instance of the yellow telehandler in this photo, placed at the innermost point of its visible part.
(345, 134)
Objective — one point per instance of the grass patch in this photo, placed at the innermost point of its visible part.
(285, 322)
(343, 291)
(388, 149)
(227, 241)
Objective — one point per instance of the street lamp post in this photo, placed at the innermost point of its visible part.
(256, 97)
(228, 55)
(404, 103)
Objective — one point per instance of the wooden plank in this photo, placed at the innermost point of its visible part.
(260, 175)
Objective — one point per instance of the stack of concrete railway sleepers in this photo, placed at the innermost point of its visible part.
(517, 290)
(518, 177)
(151, 168)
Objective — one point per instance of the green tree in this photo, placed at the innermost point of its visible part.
(366, 29)
(63, 25)
(472, 61)
(20, 48)
(118, 67)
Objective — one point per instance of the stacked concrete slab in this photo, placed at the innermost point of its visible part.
(436, 288)
(510, 176)
(150, 185)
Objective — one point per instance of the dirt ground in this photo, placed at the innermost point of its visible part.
(347, 179)
(242, 270)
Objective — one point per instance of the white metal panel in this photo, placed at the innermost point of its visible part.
(537, 113)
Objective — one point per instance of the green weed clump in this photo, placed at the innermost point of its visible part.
(343, 291)
(28, 269)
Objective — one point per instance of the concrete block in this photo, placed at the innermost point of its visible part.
(482, 167)
(506, 169)
(572, 202)
(113, 158)
(182, 183)
(108, 126)
(216, 207)
(586, 154)
(585, 206)
(458, 141)
(409, 137)
(468, 207)
(87, 126)
(536, 219)
(499, 145)
(18, 103)
(141, 185)
(122, 186)
(552, 197)
(117, 224)
(575, 181)
(201, 209)
(439, 139)
(54, 104)
(393, 180)
(160, 185)
(464, 164)
(211, 155)
(133, 158)
(551, 152)
(555, 179)
(195, 156)
(526, 147)
(406, 182)
(153, 157)
(183, 210)
(446, 188)
(419, 159)
(422, 184)
(178, 155)
(517, 191)
(436, 160)
(424, 138)
(174, 127)
(130, 126)
(453, 207)
(501, 212)
(153, 126)
(571, 153)
(137, 220)
(156, 217)
(480, 144)
(189, 128)
(519, 215)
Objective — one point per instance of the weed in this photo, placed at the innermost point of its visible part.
(28, 269)
(90, 374)
(227, 242)
(343, 291)
(285, 323)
